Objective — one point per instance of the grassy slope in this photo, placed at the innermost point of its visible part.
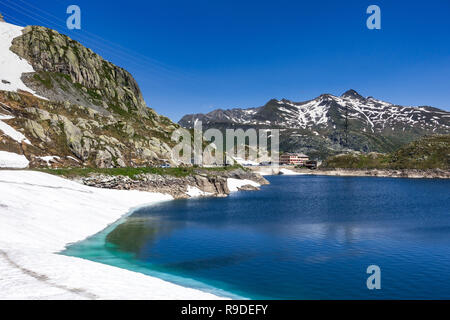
(427, 153)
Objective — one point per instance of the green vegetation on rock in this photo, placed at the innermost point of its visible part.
(431, 152)
(95, 115)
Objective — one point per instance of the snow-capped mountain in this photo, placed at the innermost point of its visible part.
(311, 126)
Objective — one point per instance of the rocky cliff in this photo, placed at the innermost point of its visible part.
(65, 67)
(84, 110)
(64, 134)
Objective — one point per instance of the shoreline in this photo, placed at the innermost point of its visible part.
(381, 173)
(196, 183)
(42, 214)
(384, 173)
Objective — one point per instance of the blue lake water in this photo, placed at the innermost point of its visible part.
(302, 237)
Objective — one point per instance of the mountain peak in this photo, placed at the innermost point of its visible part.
(317, 127)
(1, 18)
(352, 94)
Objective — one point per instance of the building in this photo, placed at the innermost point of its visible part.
(313, 165)
(293, 159)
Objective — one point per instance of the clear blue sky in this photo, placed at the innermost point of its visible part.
(196, 56)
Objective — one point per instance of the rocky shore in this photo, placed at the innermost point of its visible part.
(211, 183)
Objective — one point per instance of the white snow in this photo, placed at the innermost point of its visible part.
(267, 171)
(41, 214)
(11, 65)
(11, 132)
(72, 158)
(244, 162)
(235, 184)
(313, 114)
(5, 117)
(195, 192)
(49, 159)
(287, 172)
(13, 160)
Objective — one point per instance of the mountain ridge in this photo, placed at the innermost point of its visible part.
(318, 126)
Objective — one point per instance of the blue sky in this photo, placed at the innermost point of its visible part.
(196, 56)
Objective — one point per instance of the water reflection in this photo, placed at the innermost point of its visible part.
(137, 233)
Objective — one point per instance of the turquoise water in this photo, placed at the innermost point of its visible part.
(302, 237)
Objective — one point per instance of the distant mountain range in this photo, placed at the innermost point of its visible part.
(329, 125)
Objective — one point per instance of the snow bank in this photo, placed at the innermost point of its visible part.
(13, 160)
(244, 162)
(11, 132)
(11, 65)
(50, 159)
(235, 184)
(72, 158)
(268, 171)
(40, 214)
(288, 172)
(195, 192)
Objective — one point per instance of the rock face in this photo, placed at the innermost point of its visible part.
(78, 136)
(52, 54)
(95, 114)
(1, 18)
(213, 183)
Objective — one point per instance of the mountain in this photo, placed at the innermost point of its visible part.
(318, 127)
(61, 104)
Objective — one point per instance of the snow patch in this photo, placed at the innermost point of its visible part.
(11, 65)
(49, 159)
(287, 172)
(5, 117)
(11, 132)
(244, 162)
(235, 184)
(72, 158)
(13, 161)
(195, 192)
